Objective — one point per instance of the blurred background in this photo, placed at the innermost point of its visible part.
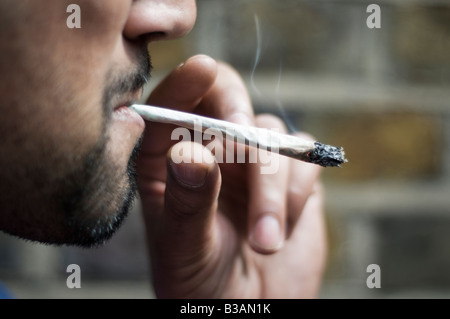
(383, 94)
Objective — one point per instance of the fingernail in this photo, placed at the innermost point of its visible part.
(190, 174)
(267, 234)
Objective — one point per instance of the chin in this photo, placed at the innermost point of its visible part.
(97, 206)
(93, 200)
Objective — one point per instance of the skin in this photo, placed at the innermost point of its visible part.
(67, 168)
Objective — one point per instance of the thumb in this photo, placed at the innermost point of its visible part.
(188, 231)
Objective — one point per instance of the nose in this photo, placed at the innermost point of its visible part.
(162, 19)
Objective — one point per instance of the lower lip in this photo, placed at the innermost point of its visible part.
(125, 114)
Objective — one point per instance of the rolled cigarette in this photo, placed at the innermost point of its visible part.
(287, 145)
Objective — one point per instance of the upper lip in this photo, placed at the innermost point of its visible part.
(128, 99)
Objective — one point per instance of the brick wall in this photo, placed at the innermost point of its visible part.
(380, 93)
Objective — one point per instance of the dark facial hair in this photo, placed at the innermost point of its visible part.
(96, 198)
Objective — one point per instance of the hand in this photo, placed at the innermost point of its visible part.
(226, 230)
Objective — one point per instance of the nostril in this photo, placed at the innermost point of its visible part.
(160, 20)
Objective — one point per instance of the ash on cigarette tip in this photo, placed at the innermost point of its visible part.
(327, 155)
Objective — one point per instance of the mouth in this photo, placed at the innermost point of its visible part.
(128, 100)
(122, 113)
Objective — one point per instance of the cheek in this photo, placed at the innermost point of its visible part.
(55, 91)
(102, 19)
(80, 66)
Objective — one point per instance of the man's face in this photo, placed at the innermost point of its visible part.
(66, 143)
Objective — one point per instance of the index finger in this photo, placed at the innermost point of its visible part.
(228, 98)
(183, 89)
